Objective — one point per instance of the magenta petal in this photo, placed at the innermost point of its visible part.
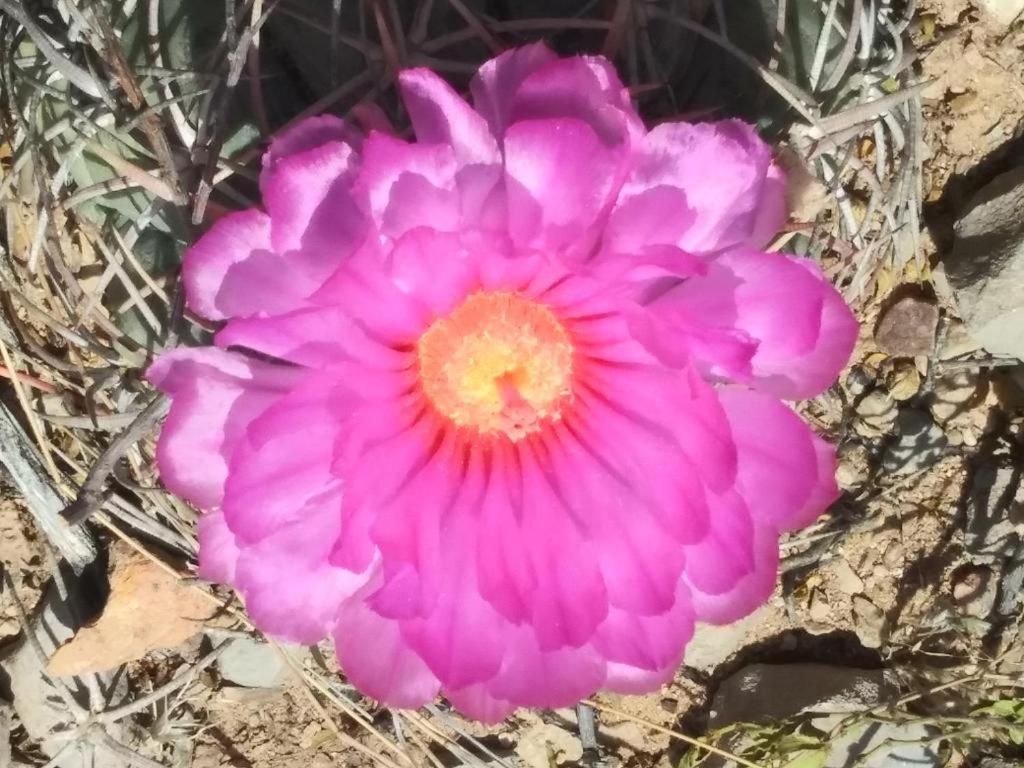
(533, 677)
(749, 591)
(726, 555)
(215, 395)
(374, 657)
(624, 679)
(561, 181)
(476, 702)
(722, 169)
(495, 84)
(648, 642)
(310, 205)
(309, 134)
(780, 461)
(439, 115)
(218, 551)
(290, 589)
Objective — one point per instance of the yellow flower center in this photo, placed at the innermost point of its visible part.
(499, 363)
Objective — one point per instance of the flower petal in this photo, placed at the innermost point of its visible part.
(215, 396)
(440, 116)
(495, 84)
(722, 169)
(561, 181)
(290, 588)
(780, 461)
(218, 551)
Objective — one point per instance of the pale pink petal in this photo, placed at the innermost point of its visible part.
(282, 461)
(497, 81)
(308, 134)
(780, 461)
(234, 240)
(218, 551)
(722, 169)
(726, 555)
(289, 587)
(561, 180)
(774, 210)
(375, 658)
(215, 395)
(440, 116)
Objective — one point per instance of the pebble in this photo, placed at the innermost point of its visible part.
(869, 622)
(846, 579)
(907, 326)
(852, 466)
(974, 590)
(251, 663)
(876, 414)
(953, 393)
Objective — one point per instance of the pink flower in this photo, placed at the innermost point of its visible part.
(499, 408)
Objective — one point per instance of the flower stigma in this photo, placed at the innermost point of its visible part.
(498, 364)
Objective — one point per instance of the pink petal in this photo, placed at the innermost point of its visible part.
(496, 82)
(726, 555)
(290, 589)
(283, 460)
(311, 208)
(440, 116)
(803, 330)
(375, 658)
(651, 643)
(582, 87)
(326, 338)
(396, 174)
(215, 396)
(234, 240)
(722, 170)
(561, 180)
(533, 677)
(474, 701)
(750, 591)
(780, 461)
(309, 134)
(631, 681)
(218, 551)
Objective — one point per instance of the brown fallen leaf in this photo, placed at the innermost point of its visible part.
(148, 608)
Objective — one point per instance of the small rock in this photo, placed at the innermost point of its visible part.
(907, 326)
(920, 443)
(818, 608)
(1004, 11)
(543, 745)
(974, 590)
(251, 663)
(876, 414)
(846, 579)
(985, 269)
(895, 556)
(955, 392)
(869, 622)
(852, 466)
(763, 693)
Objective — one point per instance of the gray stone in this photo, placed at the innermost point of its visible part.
(712, 645)
(252, 664)
(765, 693)
(919, 443)
(985, 269)
(995, 512)
(869, 622)
(974, 590)
(762, 693)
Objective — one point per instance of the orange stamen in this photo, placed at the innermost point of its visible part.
(499, 363)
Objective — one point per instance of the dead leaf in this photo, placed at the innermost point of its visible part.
(148, 608)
